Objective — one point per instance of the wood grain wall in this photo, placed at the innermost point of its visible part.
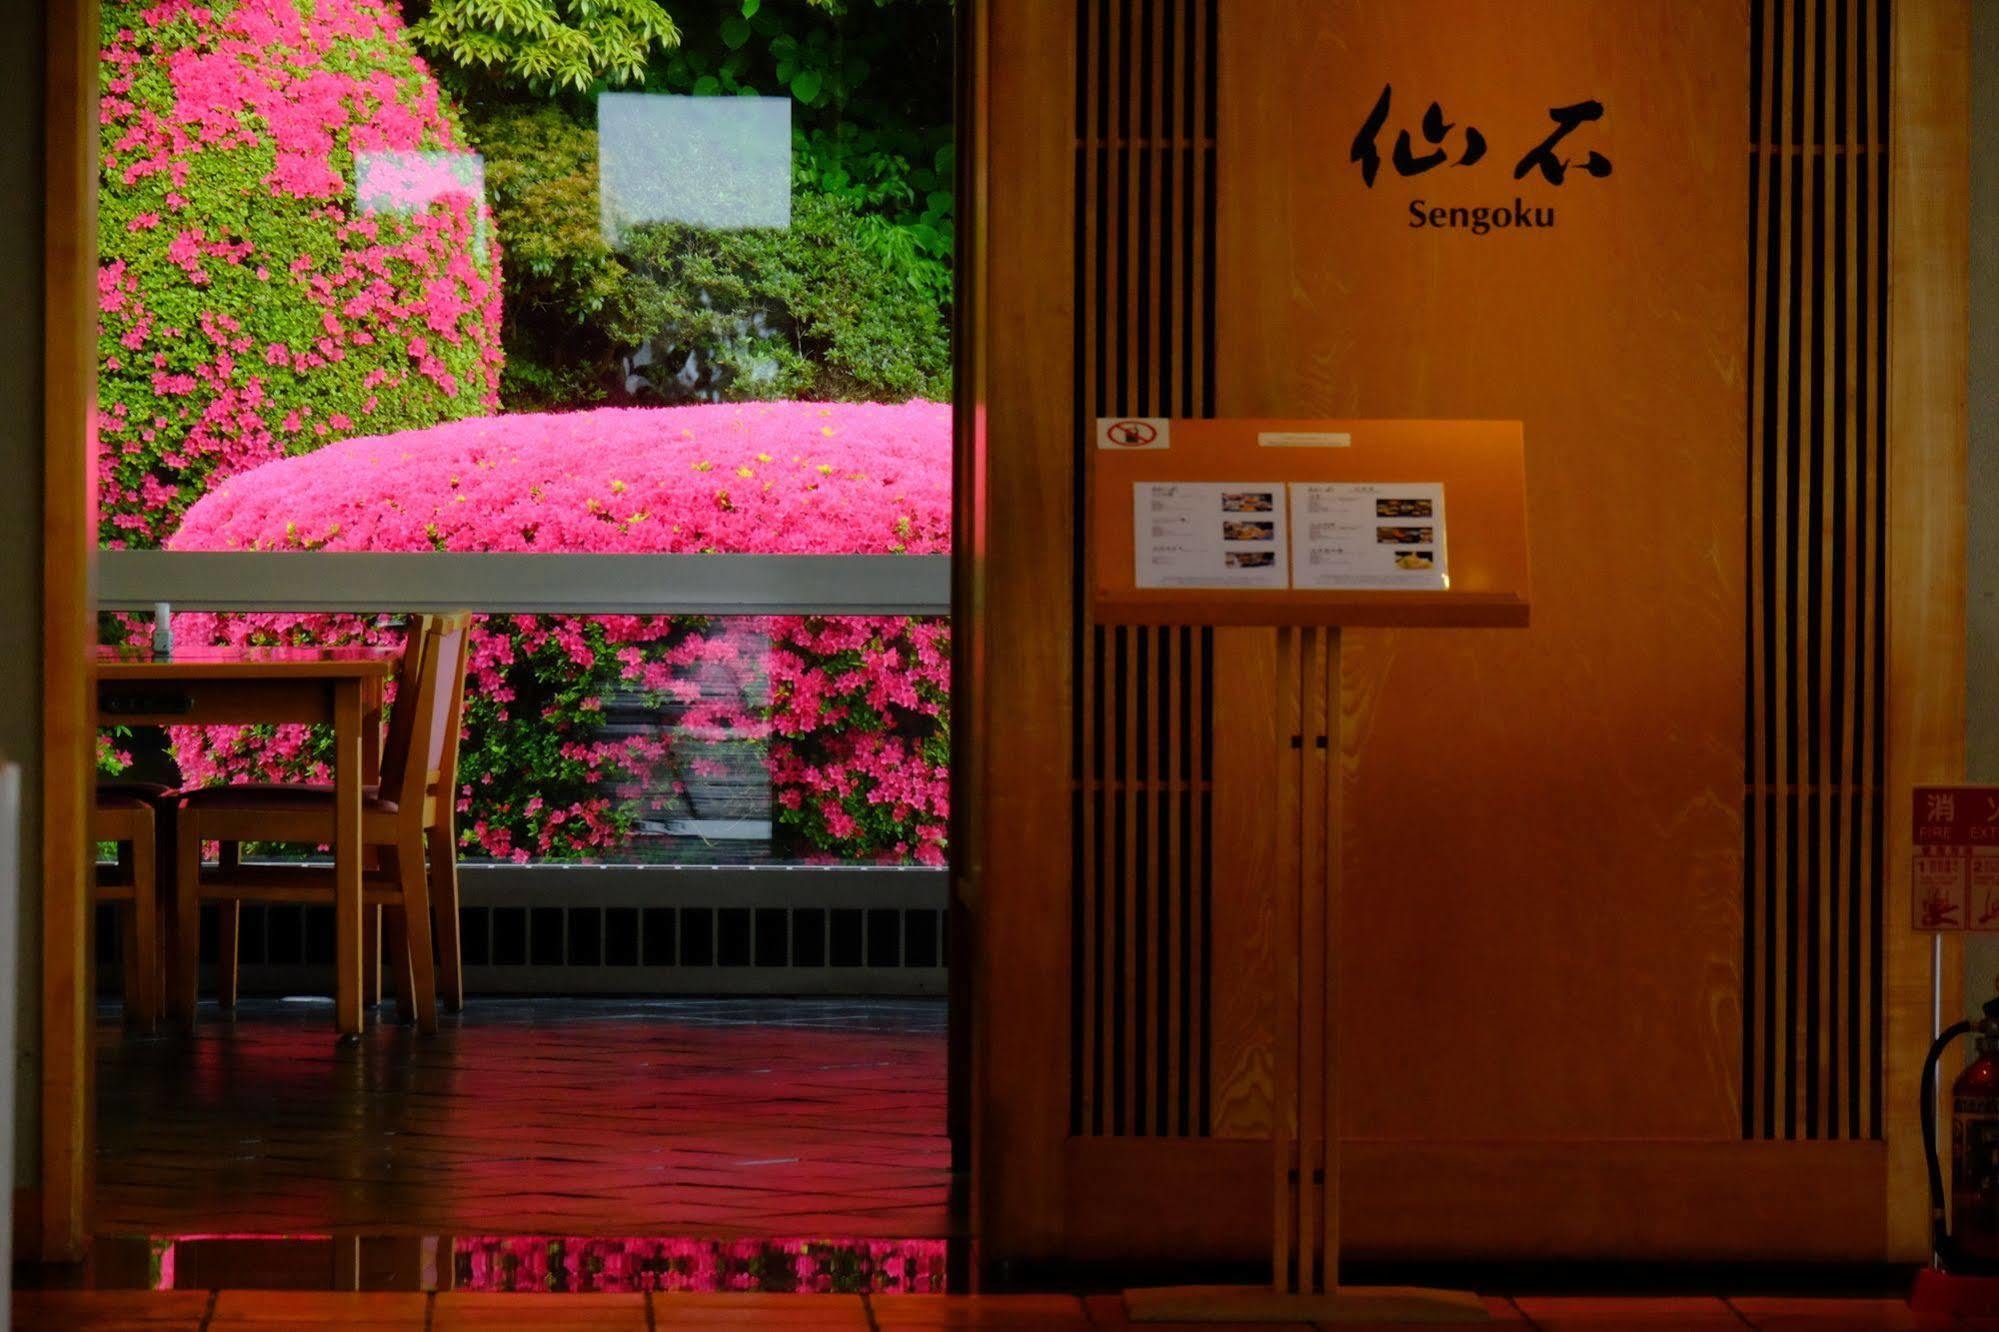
(1544, 832)
(1547, 887)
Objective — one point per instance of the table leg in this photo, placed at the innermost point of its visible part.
(347, 751)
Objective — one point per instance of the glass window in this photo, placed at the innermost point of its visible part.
(392, 277)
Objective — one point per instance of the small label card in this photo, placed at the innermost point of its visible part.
(1372, 534)
(1210, 534)
(1304, 439)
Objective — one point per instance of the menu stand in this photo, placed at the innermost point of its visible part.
(1480, 466)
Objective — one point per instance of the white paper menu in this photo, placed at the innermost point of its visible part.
(1368, 535)
(1210, 534)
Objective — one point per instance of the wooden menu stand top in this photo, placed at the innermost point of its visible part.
(1481, 465)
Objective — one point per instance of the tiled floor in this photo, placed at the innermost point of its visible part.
(191, 1310)
(264, 1176)
(567, 1117)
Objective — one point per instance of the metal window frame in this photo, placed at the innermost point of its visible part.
(517, 583)
(372, 582)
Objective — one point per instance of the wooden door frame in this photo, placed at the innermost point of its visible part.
(53, 1217)
(1929, 350)
(55, 1223)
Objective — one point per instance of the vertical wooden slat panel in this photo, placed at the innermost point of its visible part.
(1820, 537)
(1852, 164)
(1141, 854)
(1816, 629)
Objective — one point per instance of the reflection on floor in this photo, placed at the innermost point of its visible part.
(191, 1311)
(723, 1119)
(516, 1264)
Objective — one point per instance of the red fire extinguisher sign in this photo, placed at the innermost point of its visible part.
(1956, 839)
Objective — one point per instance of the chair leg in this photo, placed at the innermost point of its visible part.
(444, 901)
(416, 925)
(186, 969)
(142, 939)
(165, 854)
(371, 956)
(399, 960)
(228, 933)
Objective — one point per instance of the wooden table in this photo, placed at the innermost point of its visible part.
(342, 687)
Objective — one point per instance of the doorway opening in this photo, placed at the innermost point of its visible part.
(632, 336)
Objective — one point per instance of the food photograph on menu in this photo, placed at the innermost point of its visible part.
(1402, 508)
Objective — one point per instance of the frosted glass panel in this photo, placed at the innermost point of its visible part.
(720, 162)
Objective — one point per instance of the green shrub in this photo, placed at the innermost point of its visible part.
(807, 312)
(821, 310)
(570, 311)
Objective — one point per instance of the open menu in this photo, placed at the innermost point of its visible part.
(1210, 534)
(1304, 535)
(1368, 534)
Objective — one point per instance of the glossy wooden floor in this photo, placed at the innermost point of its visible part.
(191, 1310)
(720, 1118)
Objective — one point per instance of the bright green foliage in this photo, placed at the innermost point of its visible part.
(807, 312)
(872, 107)
(544, 45)
(822, 310)
(569, 307)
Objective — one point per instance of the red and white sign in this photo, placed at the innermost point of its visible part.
(1132, 434)
(1956, 880)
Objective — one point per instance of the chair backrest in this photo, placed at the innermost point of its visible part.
(421, 756)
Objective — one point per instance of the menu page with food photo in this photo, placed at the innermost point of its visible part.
(1368, 535)
(1206, 534)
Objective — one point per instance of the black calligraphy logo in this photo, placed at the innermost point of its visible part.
(1436, 132)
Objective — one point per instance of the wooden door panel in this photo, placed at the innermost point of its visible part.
(1568, 984)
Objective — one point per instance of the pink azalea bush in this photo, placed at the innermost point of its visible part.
(250, 305)
(849, 713)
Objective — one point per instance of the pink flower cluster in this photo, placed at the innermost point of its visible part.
(768, 477)
(249, 307)
(849, 712)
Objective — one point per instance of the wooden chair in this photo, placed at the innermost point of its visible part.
(128, 816)
(400, 819)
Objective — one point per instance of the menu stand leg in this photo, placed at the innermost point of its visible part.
(347, 709)
(1305, 1124)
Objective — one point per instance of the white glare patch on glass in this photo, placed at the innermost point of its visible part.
(409, 182)
(721, 162)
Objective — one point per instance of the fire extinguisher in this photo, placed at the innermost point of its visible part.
(1969, 1242)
